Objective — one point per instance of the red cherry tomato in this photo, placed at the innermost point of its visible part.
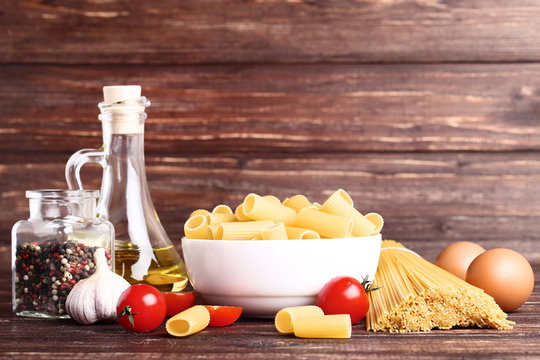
(223, 315)
(141, 308)
(179, 301)
(344, 295)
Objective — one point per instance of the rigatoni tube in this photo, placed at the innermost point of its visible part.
(327, 326)
(340, 203)
(274, 232)
(328, 225)
(188, 321)
(258, 208)
(285, 318)
(245, 230)
(196, 227)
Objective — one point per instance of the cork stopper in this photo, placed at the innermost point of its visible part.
(123, 109)
(112, 94)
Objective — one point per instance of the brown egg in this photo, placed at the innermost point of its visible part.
(503, 274)
(456, 257)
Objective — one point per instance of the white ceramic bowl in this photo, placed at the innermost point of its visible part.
(266, 276)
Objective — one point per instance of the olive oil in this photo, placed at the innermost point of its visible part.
(165, 270)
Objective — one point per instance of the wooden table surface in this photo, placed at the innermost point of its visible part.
(257, 339)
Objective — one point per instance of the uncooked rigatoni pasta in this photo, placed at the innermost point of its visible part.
(212, 231)
(199, 212)
(272, 198)
(300, 234)
(323, 327)
(376, 219)
(239, 213)
(188, 321)
(222, 209)
(297, 202)
(245, 230)
(327, 225)
(286, 317)
(218, 218)
(258, 208)
(299, 218)
(339, 203)
(196, 227)
(274, 232)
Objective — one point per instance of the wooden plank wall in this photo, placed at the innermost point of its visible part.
(425, 111)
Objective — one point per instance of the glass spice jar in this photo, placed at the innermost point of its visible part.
(54, 249)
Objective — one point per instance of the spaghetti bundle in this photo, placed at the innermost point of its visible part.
(416, 295)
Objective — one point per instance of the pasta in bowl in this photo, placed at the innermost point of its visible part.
(266, 276)
(268, 254)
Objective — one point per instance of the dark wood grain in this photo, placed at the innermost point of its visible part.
(213, 31)
(428, 199)
(425, 111)
(258, 339)
(294, 109)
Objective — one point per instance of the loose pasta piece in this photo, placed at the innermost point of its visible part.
(199, 212)
(259, 208)
(285, 318)
(327, 326)
(338, 204)
(327, 225)
(212, 230)
(218, 218)
(245, 230)
(297, 202)
(378, 220)
(274, 232)
(188, 321)
(239, 213)
(196, 227)
(301, 234)
(316, 205)
(272, 198)
(222, 209)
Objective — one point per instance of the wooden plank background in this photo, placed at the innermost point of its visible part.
(426, 111)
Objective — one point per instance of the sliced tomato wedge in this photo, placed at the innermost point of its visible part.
(178, 301)
(223, 315)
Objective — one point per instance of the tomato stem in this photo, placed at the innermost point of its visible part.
(368, 285)
(127, 311)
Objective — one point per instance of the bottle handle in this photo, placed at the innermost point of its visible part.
(76, 162)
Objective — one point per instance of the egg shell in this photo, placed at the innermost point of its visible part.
(456, 257)
(504, 274)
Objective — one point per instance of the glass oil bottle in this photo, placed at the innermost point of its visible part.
(143, 251)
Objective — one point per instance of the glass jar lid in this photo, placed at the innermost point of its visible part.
(62, 194)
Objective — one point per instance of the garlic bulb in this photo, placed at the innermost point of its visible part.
(95, 297)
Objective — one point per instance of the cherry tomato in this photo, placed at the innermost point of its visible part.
(179, 301)
(141, 308)
(344, 295)
(223, 315)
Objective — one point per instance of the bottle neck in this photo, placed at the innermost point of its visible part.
(124, 117)
(124, 188)
(123, 132)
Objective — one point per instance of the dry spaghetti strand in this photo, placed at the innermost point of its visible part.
(417, 295)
